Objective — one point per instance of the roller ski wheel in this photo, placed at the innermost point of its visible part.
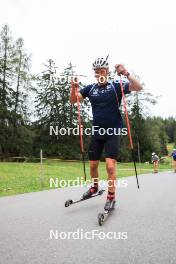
(68, 203)
(108, 208)
(100, 219)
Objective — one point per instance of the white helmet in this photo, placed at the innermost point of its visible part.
(100, 63)
(153, 153)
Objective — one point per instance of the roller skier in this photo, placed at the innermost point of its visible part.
(105, 98)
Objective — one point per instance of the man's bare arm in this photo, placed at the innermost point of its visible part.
(75, 92)
(73, 97)
(134, 85)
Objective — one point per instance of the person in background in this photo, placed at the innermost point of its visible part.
(155, 161)
(173, 155)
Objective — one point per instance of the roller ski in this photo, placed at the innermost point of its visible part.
(108, 208)
(91, 193)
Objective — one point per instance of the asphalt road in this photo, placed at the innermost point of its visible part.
(144, 222)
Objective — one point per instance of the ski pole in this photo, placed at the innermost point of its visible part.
(129, 129)
(80, 130)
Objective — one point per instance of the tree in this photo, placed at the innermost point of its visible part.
(14, 90)
(6, 77)
(53, 108)
(144, 136)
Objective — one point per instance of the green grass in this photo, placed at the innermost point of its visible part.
(170, 147)
(16, 178)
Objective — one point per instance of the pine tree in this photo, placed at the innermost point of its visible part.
(6, 77)
(138, 107)
(54, 109)
(14, 90)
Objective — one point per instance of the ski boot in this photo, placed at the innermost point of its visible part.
(110, 203)
(93, 190)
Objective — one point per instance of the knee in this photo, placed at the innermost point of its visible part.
(110, 169)
(93, 166)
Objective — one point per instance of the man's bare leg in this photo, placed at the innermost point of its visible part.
(155, 167)
(94, 171)
(94, 175)
(111, 171)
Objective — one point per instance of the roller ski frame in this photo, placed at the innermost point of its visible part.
(70, 201)
(103, 216)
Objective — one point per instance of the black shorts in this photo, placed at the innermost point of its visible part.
(110, 143)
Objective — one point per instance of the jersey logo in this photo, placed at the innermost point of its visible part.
(108, 87)
(95, 92)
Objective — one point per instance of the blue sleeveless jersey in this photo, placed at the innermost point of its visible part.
(105, 101)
